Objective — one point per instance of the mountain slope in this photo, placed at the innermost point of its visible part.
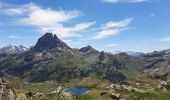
(13, 49)
(48, 42)
(52, 59)
(157, 64)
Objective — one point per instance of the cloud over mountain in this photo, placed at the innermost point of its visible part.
(47, 19)
(112, 28)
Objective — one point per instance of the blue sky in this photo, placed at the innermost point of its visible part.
(109, 25)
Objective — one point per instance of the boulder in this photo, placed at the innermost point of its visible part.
(38, 94)
(66, 95)
(6, 91)
(164, 85)
(115, 96)
(103, 93)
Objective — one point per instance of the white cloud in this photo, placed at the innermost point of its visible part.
(68, 41)
(106, 33)
(111, 45)
(123, 23)
(13, 11)
(74, 42)
(35, 15)
(47, 19)
(38, 16)
(62, 31)
(128, 1)
(165, 39)
(50, 20)
(16, 37)
(113, 28)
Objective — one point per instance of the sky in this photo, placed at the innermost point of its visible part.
(106, 25)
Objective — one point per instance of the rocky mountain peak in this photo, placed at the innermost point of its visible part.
(48, 42)
(86, 49)
(9, 49)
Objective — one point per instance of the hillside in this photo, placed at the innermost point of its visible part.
(56, 67)
(157, 64)
(52, 59)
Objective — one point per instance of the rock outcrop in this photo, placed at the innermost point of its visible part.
(13, 49)
(49, 41)
(86, 49)
(101, 57)
(6, 91)
(164, 85)
(52, 59)
(157, 64)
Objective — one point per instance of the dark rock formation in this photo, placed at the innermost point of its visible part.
(157, 64)
(101, 57)
(115, 77)
(52, 59)
(165, 85)
(115, 96)
(47, 42)
(86, 49)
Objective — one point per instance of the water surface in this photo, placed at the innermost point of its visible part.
(77, 91)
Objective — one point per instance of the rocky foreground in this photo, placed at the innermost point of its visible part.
(141, 88)
(51, 66)
(7, 91)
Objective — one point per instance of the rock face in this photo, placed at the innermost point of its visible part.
(101, 57)
(126, 87)
(115, 96)
(49, 41)
(165, 85)
(115, 77)
(86, 49)
(157, 64)
(6, 91)
(52, 59)
(13, 49)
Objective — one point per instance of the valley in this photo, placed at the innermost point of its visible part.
(84, 50)
(140, 88)
(51, 70)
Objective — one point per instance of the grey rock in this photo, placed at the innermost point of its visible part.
(6, 92)
(13, 49)
(49, 41)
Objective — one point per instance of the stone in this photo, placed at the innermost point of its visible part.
(115, 96)
(38, 94)
(6, 91)
(103, 93)
(164, 85)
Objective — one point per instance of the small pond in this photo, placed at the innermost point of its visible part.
(77, 91)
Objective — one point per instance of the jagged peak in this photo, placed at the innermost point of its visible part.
(86, 49)
(10, 49)
(49, 41)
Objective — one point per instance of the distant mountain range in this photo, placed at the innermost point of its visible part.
(13, 49)
(130, 53)
(157, 64)
(9, 49)
(52, 59)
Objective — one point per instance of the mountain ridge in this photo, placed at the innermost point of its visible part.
(52, 59)
(9, 49)
(49, 41)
